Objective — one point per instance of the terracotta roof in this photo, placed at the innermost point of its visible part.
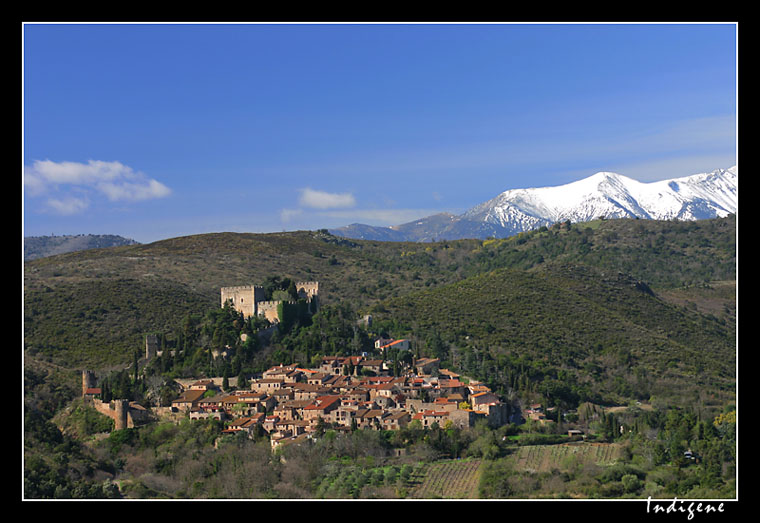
(190, 395)
(322, 402)
(434, 413)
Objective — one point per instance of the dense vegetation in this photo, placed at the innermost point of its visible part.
(570, 334)
(97, 305)
(581, 317)
(194, 460)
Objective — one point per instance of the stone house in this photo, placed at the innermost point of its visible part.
(207, 413)
(188, 399)
(369, 418)
(268, 385)
(428, 417)
(321, 408)
(395, 420)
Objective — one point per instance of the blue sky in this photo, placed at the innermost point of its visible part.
(153, 131)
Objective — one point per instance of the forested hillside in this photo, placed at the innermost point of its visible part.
(616, 322)
(143, 288)
(571, 333)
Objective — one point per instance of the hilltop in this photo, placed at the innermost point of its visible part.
(92, 308)
(42, 246)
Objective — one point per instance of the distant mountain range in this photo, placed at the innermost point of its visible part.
(43, 246)
(605, 194)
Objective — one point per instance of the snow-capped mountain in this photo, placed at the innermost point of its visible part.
(612, 195)
(604, 194)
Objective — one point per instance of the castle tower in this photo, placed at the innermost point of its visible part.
(121, 408)
(309, 290)
(244, 298)
(88, 381)
(151, 346)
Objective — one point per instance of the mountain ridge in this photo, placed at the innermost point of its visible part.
(44, 246)
(601, 195)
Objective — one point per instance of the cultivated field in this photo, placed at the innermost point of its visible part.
(544, 458)
(454, 479)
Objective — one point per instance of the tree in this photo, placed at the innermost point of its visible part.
(242, 382)
(292, 291)
(136, 366)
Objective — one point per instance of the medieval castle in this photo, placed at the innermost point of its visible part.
(250, 299)
(124, 413)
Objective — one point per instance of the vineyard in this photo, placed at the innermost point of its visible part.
(457, 479)
(544, 458)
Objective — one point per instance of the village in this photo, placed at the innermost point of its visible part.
(292, 404)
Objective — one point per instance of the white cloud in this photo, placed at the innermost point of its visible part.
(286, 215)
(324, 200)
(114, 180)
(131, 191)
(67, 206)
(325, 209)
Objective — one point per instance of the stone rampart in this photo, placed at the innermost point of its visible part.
(117, 410)
(307, 289)
(269, 309)
(243, 298)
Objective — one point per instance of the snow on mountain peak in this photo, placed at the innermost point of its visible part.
(603, 194)
(612, 195)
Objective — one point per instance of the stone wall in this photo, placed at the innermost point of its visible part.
(268, 309)
(249, 299)
(243, 298)
(307, 289)
(117, 410)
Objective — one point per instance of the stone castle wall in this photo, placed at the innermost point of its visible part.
(307, 289)
(117, 410)
(249, 299)
(268, 309)
(243, 298)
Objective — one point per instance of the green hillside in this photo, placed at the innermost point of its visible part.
(92, 307)
(555, 294)
(573, 332)
(664, 254)
(632, 313)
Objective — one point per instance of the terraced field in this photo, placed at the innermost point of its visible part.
(454, 479)
(543, 458)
